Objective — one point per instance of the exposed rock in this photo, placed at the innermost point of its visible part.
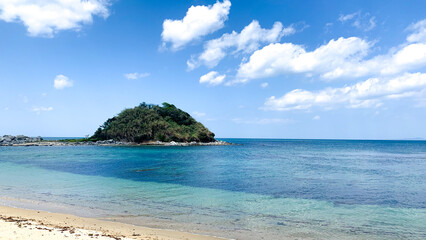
(21, 140)
(172, 143)
(8, 140)
(21, 137)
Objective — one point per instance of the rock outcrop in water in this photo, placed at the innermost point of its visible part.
(9, 140)
(24, 141)
(151, 123)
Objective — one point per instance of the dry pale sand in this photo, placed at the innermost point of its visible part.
(16, 223)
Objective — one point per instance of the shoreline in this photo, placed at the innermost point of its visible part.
(106, 143)
(19, 223)
(23, 141)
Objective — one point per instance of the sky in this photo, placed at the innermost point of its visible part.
(245, 69)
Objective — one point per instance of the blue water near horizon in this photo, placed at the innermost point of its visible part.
(346, 189)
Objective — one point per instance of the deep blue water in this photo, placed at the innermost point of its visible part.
(353, 176)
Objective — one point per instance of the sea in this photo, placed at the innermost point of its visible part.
(256, 189)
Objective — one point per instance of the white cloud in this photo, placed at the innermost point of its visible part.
(38, 110)
(263, 121)
(341, 58)
(317, 117)
(372, 24)
(419, 32)
(62, 82)
(212, 78)
(198, 114)
(290, 30)
(361, 21)
(6, 108)
(247, 41)
(407, 57)
(282, 58)
(199, 21)
(264, 85)
(366, 94)
(328, 26)
(45, 18)
(344, 18)
(136, 75)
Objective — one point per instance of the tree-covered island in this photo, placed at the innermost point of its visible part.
(149, 122)
(146, 124)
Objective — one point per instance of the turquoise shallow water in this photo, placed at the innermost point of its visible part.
(275, 189)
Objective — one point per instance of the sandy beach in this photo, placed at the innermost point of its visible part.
(16, 223)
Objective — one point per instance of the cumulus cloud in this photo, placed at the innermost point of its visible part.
(45, 18)
(407, 57)
(247, 41)
(136, 75)
(365, 94)
(282, 58)
(199, 21)
(38, 110)
(212, 78)
(341, 58)
(419, 32)
(62, 82)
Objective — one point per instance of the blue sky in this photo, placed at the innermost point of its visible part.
(270, 69)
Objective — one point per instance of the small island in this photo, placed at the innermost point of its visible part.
(146, 124)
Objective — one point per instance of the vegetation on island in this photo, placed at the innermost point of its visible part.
(149, 122)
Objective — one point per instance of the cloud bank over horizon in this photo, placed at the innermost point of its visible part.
(367, 94)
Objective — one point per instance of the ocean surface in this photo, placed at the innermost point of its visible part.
(259, 189)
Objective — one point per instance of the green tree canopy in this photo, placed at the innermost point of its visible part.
(148, 122)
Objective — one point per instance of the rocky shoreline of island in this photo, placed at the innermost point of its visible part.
(21, 140)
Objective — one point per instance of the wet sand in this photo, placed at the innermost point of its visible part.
(16, 223)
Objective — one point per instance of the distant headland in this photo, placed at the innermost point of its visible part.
(146, 124)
